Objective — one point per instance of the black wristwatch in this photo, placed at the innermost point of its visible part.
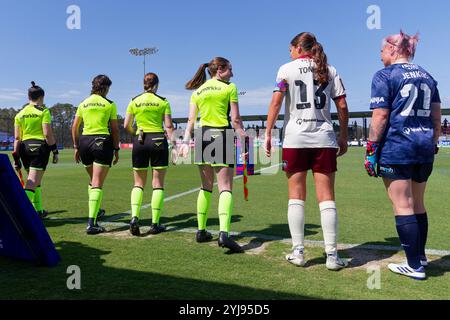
(117, 149)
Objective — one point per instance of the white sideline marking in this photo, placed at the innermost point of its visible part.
(310, 243)
(179, 195)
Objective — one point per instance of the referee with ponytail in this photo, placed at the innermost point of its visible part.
(34, 140)
(150, 149)
(96, 147)
(217, 101)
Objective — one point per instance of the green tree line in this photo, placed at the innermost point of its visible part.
(62, 119)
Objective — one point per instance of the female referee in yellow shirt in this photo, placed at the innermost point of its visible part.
(33, 142)
(150, 147)
(96, 146)
(215, 99)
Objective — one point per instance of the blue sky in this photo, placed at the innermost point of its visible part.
(253, 35)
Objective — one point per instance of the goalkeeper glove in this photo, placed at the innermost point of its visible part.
(371, 159)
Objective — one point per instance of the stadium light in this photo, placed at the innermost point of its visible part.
(143, 52)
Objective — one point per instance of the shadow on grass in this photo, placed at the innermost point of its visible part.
(272, 233)
(52, 223)
(181, 221)
(371, 252)
(57, 212)
(21, 280)
(439, 267)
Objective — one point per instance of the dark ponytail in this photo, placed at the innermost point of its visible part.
(200, 76)
(100, 85)
(151, 82)
(35, 92)
(309, 44)
(320, 58)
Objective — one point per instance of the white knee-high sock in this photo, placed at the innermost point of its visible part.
(296, 218)
(329, 220)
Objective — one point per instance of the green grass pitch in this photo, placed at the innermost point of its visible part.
(173, 266)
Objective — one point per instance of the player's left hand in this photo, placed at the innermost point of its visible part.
(343, 147)
(436, 149)
(371, 159)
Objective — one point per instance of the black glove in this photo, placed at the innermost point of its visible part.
(55, 156)
(17, 162)
(54, 148)
(436, 149)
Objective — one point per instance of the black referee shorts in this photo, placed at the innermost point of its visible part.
(34, 154)
(215, 147)
(96, 149)
(153, 151)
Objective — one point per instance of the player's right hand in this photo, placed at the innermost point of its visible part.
(184, 150)
(17, 162)
(343, 147)
(371, 159)
(268, 145)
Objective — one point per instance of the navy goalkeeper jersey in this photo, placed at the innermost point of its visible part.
(408, 91)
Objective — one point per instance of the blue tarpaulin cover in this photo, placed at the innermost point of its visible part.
(22, 233)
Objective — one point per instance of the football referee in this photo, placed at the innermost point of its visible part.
(34, 140)
(96, 147)
(150, 149)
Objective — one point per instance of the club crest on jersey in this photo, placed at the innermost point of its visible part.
(158, 144)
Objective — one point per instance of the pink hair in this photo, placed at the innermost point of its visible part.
(405, 45)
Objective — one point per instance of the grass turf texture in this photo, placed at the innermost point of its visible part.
(173, 266)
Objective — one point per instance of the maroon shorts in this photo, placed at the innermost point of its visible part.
(321, 160)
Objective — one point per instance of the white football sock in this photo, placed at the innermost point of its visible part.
(329, 220)
(296, 218)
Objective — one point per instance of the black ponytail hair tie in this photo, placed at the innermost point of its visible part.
(33, 84)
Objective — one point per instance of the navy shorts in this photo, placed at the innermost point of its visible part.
(416, 172)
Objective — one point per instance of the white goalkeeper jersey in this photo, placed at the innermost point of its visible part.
(307, 117)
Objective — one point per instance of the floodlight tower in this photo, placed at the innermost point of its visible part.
(143, 52)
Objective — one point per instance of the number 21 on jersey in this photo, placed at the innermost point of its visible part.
(411, 92)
